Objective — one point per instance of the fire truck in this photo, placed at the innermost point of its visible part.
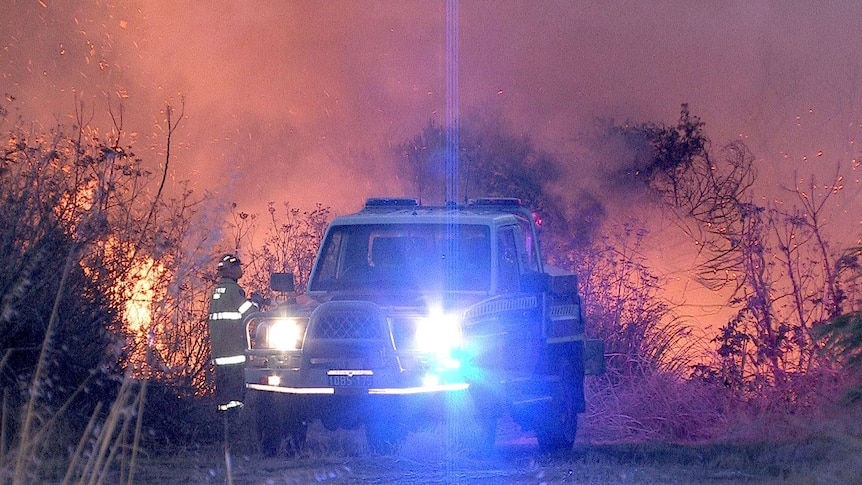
(412, 311)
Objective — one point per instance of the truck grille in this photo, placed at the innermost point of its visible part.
(340, 321)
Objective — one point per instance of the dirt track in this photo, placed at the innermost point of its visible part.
(426, 459)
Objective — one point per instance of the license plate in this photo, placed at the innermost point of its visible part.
(350, 378)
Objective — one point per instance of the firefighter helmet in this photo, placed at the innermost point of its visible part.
(229, 266)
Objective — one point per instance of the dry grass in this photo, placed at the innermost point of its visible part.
(107, 446)
(825, 457)
(653, 438)
(817, 443)
(661, 408)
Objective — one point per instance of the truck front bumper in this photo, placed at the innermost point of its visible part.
(283, 373)
(345, 396)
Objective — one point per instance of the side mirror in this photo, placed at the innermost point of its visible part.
(282, 282)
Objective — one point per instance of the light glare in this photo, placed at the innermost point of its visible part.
(283, 334)
(438, 333)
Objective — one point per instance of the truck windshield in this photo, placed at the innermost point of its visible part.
(453, 257)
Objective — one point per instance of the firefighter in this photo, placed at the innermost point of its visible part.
(228, 308)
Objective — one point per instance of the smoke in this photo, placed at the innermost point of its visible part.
(301, 101)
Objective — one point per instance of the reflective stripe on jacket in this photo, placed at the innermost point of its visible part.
(233, 359)
(226, 316)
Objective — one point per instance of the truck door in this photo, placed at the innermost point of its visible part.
(522, 323)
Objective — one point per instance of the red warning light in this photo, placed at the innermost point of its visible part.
(537, 219)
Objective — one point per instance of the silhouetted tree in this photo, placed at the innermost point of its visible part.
(55, 312)
(492, 163)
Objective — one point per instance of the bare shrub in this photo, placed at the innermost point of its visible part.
(289, 244)
(56, 312)
(81, 227)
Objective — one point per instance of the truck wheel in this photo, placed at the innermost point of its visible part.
(270, 441)
(551, 441)
(486, 413)
(295, 432)
(557, 431)
(277, 421)
(292, 433)
(487, 434)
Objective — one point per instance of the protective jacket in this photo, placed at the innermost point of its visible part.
(228, 307)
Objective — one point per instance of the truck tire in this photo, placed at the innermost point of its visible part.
(487, 411)
(278, 422)
(557, 430)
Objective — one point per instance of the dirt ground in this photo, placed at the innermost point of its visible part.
(431, 458)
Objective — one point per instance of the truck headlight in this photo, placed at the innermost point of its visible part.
(285, 333)
(438, 333)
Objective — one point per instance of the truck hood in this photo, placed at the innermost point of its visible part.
(403, 300)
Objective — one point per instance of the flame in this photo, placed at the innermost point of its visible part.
(140, 292)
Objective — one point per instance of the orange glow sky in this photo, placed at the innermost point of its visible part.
(299, 100)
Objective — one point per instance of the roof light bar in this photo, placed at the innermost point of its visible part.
(497, 201)
(391, 202)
